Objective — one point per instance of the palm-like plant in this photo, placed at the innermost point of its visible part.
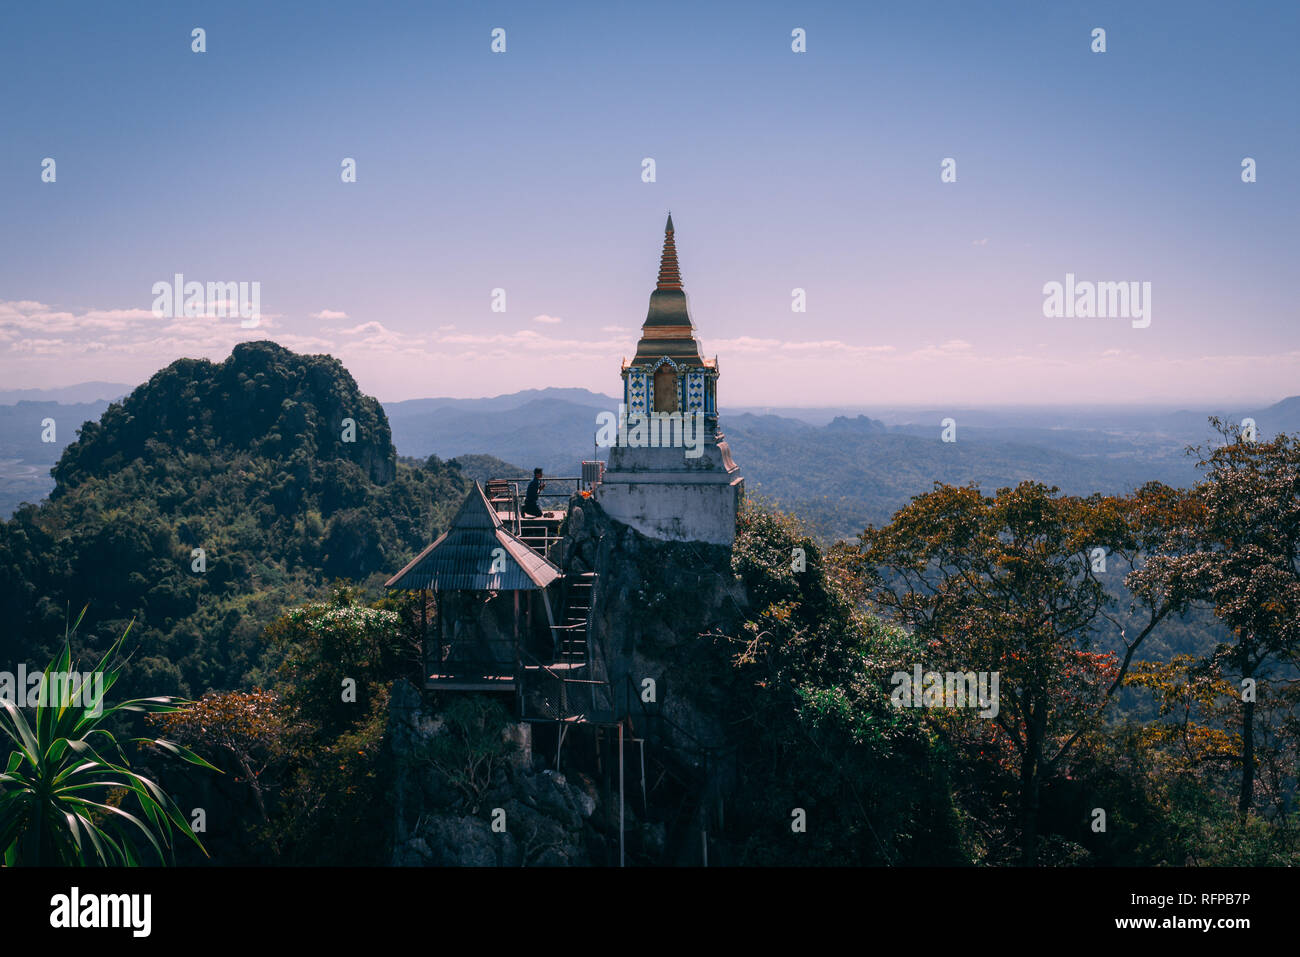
(55, 792)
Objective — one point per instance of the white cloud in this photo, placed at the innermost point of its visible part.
(830, 347)
(53, 342)
(951, 348)
(376, 335)
(549, 320)
(364, 329)
(43, 345)
(328, 314)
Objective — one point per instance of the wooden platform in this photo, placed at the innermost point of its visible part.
(552, 516)
(470, 683)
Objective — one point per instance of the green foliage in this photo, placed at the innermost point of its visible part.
(247, 460)
(244, 459)
(309, 761)
(335, 809)
(264, 400)
(62, 791)
(1005, 584)
(1242, 527)
(470, 746)
(805, 686)
(324, 644)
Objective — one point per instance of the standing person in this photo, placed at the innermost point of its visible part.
(531, 508)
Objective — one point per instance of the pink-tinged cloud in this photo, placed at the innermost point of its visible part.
(41, 346)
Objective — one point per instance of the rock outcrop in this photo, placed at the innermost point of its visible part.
(652, 602)
(655, 605)
(263, 400)
(541, 817)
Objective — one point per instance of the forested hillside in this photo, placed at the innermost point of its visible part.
(273, 464)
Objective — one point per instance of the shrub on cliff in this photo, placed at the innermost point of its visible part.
(806, 678)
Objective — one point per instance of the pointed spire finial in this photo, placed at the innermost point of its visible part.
(670, 276)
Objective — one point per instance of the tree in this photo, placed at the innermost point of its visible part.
(802, 683)
(1245, 561)
(1168, 782)
(340, 657)
(471, 747)
(1008, 584)
(338, 654)
(242, 727)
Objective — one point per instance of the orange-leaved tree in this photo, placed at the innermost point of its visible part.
(1011, 583)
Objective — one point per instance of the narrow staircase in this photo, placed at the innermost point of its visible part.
(571, 644)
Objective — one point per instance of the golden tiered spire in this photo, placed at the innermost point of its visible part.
(670, 277)
(668, 329)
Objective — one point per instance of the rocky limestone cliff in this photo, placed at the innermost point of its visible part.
(653, 606)
(652, 601)
(544, 817)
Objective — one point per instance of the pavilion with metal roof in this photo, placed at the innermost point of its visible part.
(490, 593)
(476, 553)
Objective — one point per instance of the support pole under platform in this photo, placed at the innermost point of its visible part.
(620, 795)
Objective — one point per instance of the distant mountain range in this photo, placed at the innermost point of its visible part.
(81, 392)
(25, 458)
(25, 455)
(551, 428)
(838, 468)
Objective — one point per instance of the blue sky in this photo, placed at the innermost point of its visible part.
(522, 171)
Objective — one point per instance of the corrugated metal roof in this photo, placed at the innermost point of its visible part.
(465, 556)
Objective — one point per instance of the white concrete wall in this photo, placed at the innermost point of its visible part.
(674, 511)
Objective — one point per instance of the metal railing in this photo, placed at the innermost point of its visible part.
(473, 657)
(513, 500)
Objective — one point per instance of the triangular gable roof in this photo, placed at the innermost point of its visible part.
(464, 556)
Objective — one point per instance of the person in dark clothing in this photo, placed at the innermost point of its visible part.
(530, 497)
